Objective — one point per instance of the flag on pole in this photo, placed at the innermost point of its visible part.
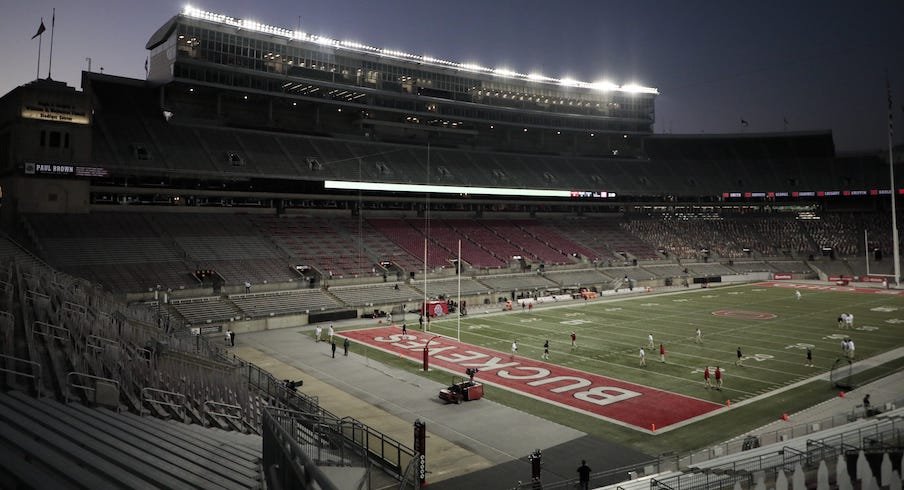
(41, 29)
(145, 66)
(744, 123)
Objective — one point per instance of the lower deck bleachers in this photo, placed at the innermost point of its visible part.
(283, 303)
(205, 310)
(49, 444)
(386, 293)
(578, 278)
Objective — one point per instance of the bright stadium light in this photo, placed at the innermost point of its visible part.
(442, 189)
(604, 85)
(633, 88)
(570, 82)
(250, 25)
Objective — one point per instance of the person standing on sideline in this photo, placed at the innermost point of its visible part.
(698, 339)
(420, 321)
(584, 475)
(797, 294)
(706, 382)
(345, 346)
(661, 353)
(227, 338)
(231, 338)
(333, 346)
(247, 287)
(718, 378)
(331, 332)
(739, 362)
(404, 329)
(514, 348)
(318, 333)
(546, 350)
(643, 357)
(809, 357)
(650, 342)
(850, 349)
(574, 340)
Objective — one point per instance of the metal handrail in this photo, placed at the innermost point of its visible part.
(51, 331)
(33, 364)
(285, 461)
(209, 403)
(86, 387)
(179, 408)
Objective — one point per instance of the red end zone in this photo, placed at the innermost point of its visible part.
(627, 404)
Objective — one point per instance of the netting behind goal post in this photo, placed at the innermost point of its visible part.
(842, 374)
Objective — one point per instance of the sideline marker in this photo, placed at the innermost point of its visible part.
(653, 427)
(785, 417)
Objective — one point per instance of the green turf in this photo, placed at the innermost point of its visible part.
(610, 333)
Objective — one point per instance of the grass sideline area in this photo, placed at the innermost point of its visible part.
(773, 343)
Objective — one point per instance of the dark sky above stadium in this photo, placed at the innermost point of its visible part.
(815, 64)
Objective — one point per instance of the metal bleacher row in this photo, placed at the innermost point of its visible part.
(64, 446)
(839, 457)
(98, 394)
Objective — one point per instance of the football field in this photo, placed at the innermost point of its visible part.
(770, 325)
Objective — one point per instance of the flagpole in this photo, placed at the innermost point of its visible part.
(891, 173)
(426, 234)
(866, 248)
(52, 26)
(458, 266)
(40, 38)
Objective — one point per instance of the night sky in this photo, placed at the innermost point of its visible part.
(817, 64)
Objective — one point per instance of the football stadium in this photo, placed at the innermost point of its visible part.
(289, 261)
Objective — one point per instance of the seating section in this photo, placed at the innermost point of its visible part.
(283, 302)
(48, 444)
(376, 294)
(410, 238)
(197, 311)
(141, 251)
(315, 242)
(449, 287)
(520, 282)
(578, 278)
(605, 240)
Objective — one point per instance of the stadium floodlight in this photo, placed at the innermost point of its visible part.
(604, 85)
(250, 25)
(633, 88)
(570, 82)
